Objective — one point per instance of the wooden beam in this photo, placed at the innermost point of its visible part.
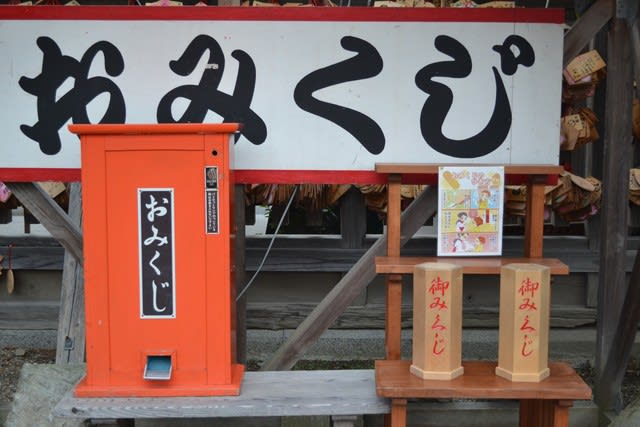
(325, 255)
(625, 335)
(283, 315)
(617, 161)
(353, 219)
(313, 255)
(635, 49)
(432, 169)
(349, 287)
(470, 265)
(394, 209)
(534, 221)
(586, 29)
(34, 257)
(50, 215)
(71, 333)
(596, 151)
(29, 314)
(43, 315)
(393, 315)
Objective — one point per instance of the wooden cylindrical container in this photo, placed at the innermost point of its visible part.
(524, 322)
(437, 321)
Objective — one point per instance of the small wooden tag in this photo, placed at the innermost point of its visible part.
(498, 4)
(10, 282)
(585, 64)
(52, 188)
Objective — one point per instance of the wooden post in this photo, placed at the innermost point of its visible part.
(350, 286)
(71, 334)
(393, 319)
(594, 222)
(635, 49)
(625, 335)
(353, 219)
(534, 221)
(398, 412)
(617, 161)
(625, 332)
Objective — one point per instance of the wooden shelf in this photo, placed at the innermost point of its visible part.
(535, 178)
(471, 265)
(422, 168)
(479, 381)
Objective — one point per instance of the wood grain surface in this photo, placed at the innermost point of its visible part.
(475, 265)
(394, 380)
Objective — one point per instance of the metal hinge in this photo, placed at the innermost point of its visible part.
(68, 343)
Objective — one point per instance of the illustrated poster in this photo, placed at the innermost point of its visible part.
(470, 206)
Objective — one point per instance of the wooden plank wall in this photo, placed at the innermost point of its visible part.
(299, 272)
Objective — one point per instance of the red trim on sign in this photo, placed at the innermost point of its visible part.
(251, 176)
(40, 174)
(189, 13)
(539, 15)
(350, 177)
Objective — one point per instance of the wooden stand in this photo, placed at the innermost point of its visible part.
(534, 176)
(543, 404)
(437, 321)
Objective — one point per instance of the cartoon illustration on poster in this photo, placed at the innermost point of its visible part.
(470, 206)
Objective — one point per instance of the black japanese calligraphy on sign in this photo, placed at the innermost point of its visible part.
(55, 110)
(365, 64)
(157, 287)
(205, 96)
(438, 104)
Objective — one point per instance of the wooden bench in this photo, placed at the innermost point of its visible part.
(342, 394)
(543, 404)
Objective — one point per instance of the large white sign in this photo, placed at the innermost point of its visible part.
(317, 89)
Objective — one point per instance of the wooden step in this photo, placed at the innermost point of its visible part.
(470, 265)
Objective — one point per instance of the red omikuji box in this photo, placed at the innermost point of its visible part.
(157, 225)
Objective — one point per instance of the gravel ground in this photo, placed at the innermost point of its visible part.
(630, 383)
(12, 359)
